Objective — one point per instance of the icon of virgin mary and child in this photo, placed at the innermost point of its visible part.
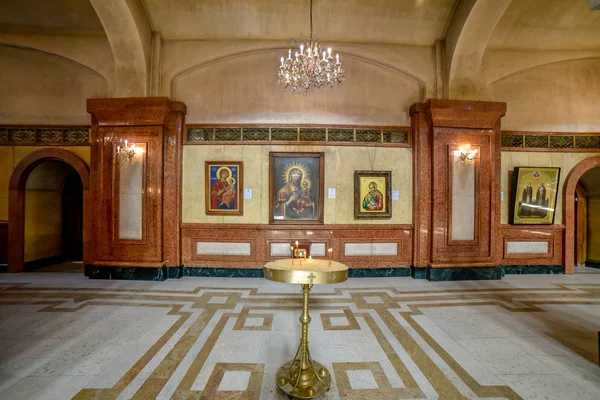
(294, 198)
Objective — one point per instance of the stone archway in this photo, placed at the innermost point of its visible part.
(16, 196)
(569, 209)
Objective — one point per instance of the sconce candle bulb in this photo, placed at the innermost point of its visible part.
(466, 153)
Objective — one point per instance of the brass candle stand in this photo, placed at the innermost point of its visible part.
(302, 377)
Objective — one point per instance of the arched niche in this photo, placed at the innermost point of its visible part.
(16, 189)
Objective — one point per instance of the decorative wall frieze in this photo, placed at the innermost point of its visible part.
(550, 141)
(243, 134)
(44, 135)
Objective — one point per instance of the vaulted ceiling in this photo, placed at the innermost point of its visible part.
(526, 24)
(418, 22)
(548, 25)
(67, 17)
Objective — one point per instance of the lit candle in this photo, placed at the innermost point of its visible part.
(301, 49)
(296, 56)
(329, 51)
(289, 54)
(337, 58)
(309, 51)
(282, 61)
(309, 258)
(292, 250)
(125, 142)
(329, 252)
(323, 55)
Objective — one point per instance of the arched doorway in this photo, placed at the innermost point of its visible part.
(569, 190)
(17, 188)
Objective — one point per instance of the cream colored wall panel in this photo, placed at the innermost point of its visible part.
(526, 247)
(371, 249)
(280, 250)
(340, 164)
(224, 248)
(317, 249)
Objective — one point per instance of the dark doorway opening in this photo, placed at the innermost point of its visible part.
(72, 219)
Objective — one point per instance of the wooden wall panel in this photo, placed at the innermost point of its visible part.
(439, 126)
(262, 236)
(552, 234)
(159, 124)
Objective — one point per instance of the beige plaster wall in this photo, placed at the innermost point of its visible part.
(559, 96)
(236, 82)
(43, 224)
(566, 162)
(593, 238)
(340, 164)
(38, 88)
(10, 156)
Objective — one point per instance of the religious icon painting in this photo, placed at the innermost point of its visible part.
(372, 194)
(224, 187)
(296, 188)
(533, 195)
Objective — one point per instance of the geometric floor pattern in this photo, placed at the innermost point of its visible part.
(532, 337)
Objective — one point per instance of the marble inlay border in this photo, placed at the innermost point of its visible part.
(48, 135)
(391, 321)
(267, 135)
(550, 141)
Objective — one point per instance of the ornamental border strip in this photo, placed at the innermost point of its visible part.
(551, 141)
(12, 135)
(331, 135)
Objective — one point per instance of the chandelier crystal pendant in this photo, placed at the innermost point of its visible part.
(311, 69)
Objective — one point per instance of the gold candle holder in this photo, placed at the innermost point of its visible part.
(292, 250)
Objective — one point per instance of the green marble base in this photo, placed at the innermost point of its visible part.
(592, 264)
(431, 274)
(378, 272)
(532, 269)
(418, 272)
(224, 272)
(464, 274)
(132, 273)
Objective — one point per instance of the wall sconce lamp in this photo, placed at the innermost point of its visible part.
(126, 151)
(466, 153)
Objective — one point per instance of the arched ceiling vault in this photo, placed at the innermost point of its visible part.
(130, 36)
(135, 30)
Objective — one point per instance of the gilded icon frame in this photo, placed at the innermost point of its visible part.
(528, 184)
(296, 194)
(376, 203)
(225, 200)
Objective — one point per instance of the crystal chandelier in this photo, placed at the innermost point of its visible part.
(312, 69)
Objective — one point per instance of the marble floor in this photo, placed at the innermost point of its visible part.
(531, 336)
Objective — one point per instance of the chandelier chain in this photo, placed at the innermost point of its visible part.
(311, 22)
